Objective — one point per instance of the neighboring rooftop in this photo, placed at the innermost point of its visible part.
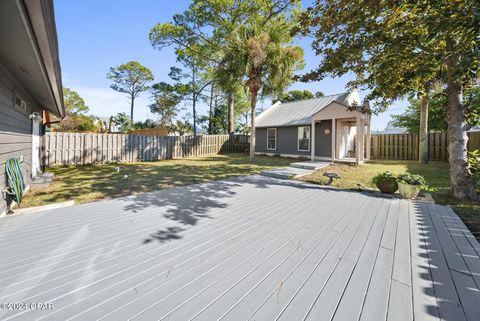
(391, 129)
(300, 112)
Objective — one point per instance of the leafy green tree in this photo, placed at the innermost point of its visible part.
(74, 104)
(190, 52)
(78, 123)
(190, 83)
(242, 110)
(166, 100)
(75, 119)
(147, 123)
(131, 78)
(260, 53)
(295, 95)
(201, 32)
(472, 103)
(410, 119)
(398, 48)
(182, 127)
(203, 121)
(124, 123)
(219, 119)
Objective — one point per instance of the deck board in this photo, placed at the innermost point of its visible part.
(251, 248)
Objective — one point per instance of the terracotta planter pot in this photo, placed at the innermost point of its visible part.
(388, 186)
(408, 191)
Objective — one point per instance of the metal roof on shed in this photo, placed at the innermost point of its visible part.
(297, 113)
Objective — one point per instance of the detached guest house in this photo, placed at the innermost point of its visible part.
(334, 128)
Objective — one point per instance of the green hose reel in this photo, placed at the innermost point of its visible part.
(16, 182)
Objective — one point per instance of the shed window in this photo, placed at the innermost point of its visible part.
(304, 139)
(271, 138)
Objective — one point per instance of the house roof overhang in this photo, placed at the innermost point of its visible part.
(29, 50)
(338, 110)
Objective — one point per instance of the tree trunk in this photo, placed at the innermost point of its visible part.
(231, 111)
(194, 103)
(210, 115)
(423, 133)
(461, 178)
(132, 99)
(245, 130)
(253, 105)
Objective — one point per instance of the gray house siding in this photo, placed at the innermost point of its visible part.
(323, 142)
(15, 129)
(286, 141)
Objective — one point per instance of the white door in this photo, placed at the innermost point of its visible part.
(35, 147)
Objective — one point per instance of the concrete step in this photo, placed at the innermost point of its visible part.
(310, 165)
(286, 173)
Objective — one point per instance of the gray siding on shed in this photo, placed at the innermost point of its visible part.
(15, 129)
(286, 141)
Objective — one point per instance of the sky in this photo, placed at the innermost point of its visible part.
(96, 35)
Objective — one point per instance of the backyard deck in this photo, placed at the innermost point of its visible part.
(254, 248)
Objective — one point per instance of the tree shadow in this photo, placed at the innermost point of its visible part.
(164, 235)
(186, 206)
(183, 206)
(443, 265)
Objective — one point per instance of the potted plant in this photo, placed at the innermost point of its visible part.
(386, 182)
(409, 185)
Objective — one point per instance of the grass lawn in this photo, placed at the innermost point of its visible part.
(436, 174)
(89, 183)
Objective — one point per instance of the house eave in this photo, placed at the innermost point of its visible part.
(284, 125)
(29, 51)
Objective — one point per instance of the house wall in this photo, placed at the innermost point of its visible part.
(15, 129)
(286, 141)
(323, 142)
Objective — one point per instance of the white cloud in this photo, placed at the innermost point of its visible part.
(106, 102)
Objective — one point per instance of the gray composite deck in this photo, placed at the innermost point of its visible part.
(252, 248)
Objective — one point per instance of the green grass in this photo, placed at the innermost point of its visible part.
(436, 174)
(94, 182)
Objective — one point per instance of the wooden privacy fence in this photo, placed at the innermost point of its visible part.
(161, 131)
(405, 146)
(85, 148)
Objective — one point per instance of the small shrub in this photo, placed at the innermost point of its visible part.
(412, 179)
(386, 182)
(474, 166)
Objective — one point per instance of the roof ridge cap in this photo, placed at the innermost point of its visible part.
(339, 94)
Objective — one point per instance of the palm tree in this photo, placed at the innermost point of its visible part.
(263, 57)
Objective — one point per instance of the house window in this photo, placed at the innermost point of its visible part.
(271, 138)
(304, 139)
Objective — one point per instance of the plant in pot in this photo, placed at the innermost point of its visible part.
(409, 185)
(386, 182)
